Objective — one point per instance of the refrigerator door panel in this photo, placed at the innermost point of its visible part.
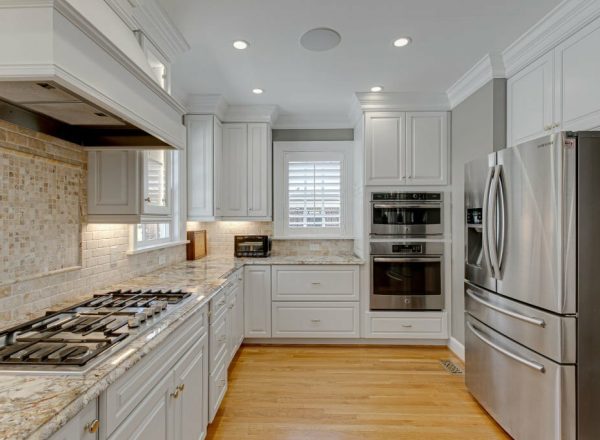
(553, 336)
(536, 240)
(478, 179)
(531, 397)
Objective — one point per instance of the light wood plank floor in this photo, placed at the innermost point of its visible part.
(348, 393)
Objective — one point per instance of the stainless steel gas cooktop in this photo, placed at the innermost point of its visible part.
(65, 341)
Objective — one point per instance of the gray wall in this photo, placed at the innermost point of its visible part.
(309, 135)
(478, 128)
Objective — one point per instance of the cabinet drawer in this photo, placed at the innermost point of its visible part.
(217, 389)
(218, 304)
(315, 320)
(124, 395)
(77, 427)
(218, 341)
(315, 283)
(433, 326)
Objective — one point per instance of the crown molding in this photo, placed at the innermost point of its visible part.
(252, 113)
(489, 67)
(313, 121)
(210, 104)
(152, 20)
(563, 21)
(400, 101)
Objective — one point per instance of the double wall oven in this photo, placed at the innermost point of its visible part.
(407, 268)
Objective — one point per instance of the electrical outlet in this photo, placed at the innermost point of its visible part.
(162, 259)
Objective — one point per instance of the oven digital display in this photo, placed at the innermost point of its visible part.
(407, 248)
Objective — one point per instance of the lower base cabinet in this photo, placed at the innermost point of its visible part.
(315, 320)
(84, 426)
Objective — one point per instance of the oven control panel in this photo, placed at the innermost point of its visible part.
(407, 249)
(406, 196)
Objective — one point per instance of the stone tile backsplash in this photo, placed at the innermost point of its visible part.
(220, 239)
(48, 254)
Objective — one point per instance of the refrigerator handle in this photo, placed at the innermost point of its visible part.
(485, 228)
(502, 219)
(492, 223)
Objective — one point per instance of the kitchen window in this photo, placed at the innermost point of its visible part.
(312, 196)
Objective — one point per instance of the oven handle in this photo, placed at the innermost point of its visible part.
(406, 260)
(405, 205)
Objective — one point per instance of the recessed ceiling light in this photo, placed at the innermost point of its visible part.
(376, 89)
(402, 41)
(241, 44)
(258, 91)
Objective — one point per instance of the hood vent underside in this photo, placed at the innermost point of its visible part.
(47, 108)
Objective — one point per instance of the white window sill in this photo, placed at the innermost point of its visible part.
(157, 247)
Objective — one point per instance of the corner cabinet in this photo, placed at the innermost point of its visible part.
(244, 170)
(129, 186)
(557, 92)
(406, 148)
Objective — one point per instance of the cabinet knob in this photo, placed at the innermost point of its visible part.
(147, 199)
(93, 426)
(181, 387)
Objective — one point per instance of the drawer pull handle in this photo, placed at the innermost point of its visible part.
(315, 283)
(230, 306)
(222, 383)
(531, 364)
(93, 426)
(175, 394)
(315, 320)
(222, 338)
(220, 303)
(181, 387)
(524, 318)
(407, 325)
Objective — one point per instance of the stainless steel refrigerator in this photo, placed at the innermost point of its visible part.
(532, 286)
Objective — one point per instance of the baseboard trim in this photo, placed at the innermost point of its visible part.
(457, 348)
(343, 341)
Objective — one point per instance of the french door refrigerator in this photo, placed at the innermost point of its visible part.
(532, 286)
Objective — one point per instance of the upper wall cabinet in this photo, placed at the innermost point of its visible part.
(129, 186)
(529, 99)
(406, 148)
(243, 166)
(204, 133)
(559, 91)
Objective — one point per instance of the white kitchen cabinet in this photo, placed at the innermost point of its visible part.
(427, 148)
(259, 170)
(315, 283)
(315, 319)
(244, 169)
(126, 186)
(84, 426)
(204, 134)
(577, 70)
(530, 101)
(385, 148)
(217, 389)
(235, 322)
(406, 148)
(257, 301)
(407, 325)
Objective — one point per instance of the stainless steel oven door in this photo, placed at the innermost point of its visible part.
(401, 218)
(407, 283)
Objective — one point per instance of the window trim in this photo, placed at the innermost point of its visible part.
(326, 150)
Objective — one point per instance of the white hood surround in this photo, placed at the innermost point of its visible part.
(84, 48)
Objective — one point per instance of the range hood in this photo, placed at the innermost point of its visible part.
(72, 69)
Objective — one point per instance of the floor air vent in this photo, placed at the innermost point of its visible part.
(451, 367)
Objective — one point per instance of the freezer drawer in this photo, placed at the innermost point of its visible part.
(550, 335)
(531, 397)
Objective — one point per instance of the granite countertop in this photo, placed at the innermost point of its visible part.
(35, 406)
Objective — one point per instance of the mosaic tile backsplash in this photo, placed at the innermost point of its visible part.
(48, 254)
(219, 236)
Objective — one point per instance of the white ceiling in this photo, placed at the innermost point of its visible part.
(449, 37)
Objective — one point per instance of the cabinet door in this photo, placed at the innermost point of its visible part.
(156, 182)
(113, 182)
(384, 145)
(530, 101)
(191, 379)
(239, 315)
(201, 132)
(259, 170)
(233, 179)
(427, 148)
(577, 100)
(231, 325)
(152, 419)
(84, 426)
(257, 301)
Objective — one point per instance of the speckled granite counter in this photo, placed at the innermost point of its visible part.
(36, 406)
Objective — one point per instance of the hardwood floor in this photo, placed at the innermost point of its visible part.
(347, 393)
